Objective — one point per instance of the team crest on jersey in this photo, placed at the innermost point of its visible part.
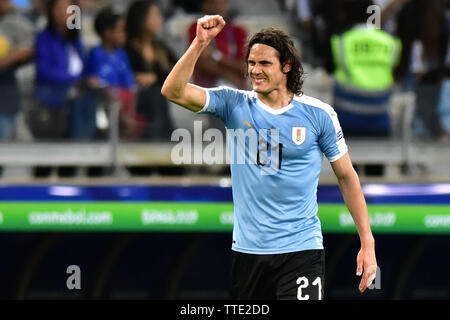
(298, 135)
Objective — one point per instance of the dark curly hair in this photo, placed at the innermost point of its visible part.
(106, 19)
(287, 53)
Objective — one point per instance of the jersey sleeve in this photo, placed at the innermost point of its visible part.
(221, 101)
(331, 138)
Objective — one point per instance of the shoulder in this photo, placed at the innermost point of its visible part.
(315, 105)
(121, 53)
(385, 36)
(324, 114)
(46, 37)
(232, 91)
(43, 34)
(231, 95)
(96, 53)
(96, 50)
(122, 57)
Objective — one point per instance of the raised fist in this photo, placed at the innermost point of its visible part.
(208, 27)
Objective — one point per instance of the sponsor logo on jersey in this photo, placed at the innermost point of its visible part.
(248, 124)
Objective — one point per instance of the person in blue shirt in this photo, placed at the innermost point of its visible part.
(108, 62)
(59, 58)
(108, 67)
(277, 249)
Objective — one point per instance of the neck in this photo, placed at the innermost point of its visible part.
(109, 47)
(62, 30)
(147, 37)
(276, 99)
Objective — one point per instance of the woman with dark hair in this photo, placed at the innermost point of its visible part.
(151, 62)
(59, 67)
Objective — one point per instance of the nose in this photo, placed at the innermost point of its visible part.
(256, 70)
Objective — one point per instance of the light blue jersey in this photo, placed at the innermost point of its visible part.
(276, 211)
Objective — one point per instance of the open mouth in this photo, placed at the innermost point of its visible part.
(259, 80)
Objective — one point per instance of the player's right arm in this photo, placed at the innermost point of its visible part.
(177, 88)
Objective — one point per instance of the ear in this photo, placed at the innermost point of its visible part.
(287, 67)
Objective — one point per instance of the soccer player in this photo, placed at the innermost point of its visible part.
(277, 239)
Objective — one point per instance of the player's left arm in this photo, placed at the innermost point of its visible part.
(354, 199)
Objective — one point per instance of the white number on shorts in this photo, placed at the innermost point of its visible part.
(304, 283)
(318, 282)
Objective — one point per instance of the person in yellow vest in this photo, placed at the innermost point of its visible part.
(364, 59)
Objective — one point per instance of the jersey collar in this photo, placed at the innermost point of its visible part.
(271, 110)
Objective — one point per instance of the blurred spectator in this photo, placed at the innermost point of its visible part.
(151, 61)
(108, 68)
(16, 43)
(60, 59)
(224, 60)
(364, 60)
(36, 13)
(92, 5)
(188, 6)
(444, 99)
(389, 12)
(423, 61)
(22, 4)
(317, 21)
